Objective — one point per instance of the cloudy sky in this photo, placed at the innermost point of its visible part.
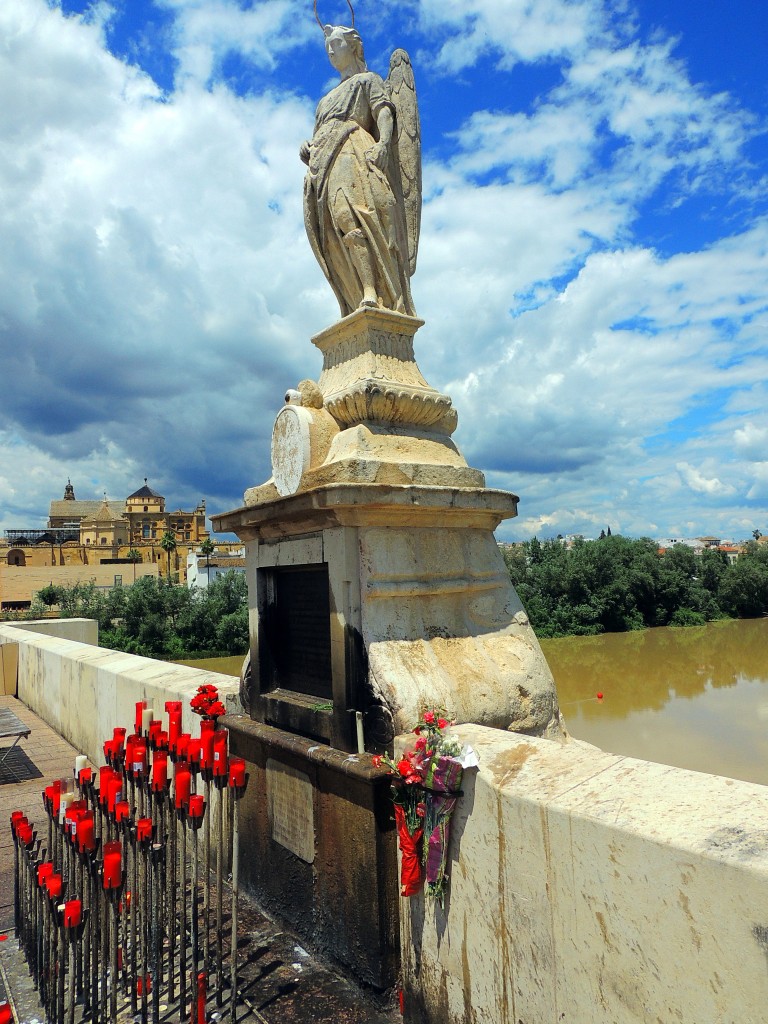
(592, 269)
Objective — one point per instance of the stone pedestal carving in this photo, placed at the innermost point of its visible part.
(373, 506)
(370, 375)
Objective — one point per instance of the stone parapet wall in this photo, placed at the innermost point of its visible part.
(83, 691)
(588, 887)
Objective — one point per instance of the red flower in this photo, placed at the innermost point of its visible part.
(377, 760)
(404, 767)
(429, 717)
(216, 709)
(441, 723)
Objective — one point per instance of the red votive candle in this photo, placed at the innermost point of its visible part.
(54, 884)
(140, 708)
(6, 1013)
(159, 771)
(161, 740)
(16, 817)
(193, 754)
(86, 839)
(114, 793)
(106, 773)
(182, 744)
(144, 830)
(154, 730)
(44, 871)
(112, 867)
(26, 833)
(122, 811)
(73, 913)
(220, 765)
(75, 811)
(236, 772)
(139, 758)
(196, 807)
(206, 744)
(173, 707)
(56, 797)
(182, 782)
(84, 776)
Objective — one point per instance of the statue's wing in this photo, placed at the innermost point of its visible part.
(402, 89)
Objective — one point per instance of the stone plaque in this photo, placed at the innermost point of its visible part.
(289, 803)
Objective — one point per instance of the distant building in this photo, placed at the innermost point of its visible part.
(204, 569)
(84, 534)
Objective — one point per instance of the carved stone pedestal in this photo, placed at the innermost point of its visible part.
(376, 589)
(381, 422)
(383, 600)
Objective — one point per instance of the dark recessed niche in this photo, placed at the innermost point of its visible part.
(295, 630)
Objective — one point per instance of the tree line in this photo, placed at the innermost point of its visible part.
(158, 618)
(616, 584)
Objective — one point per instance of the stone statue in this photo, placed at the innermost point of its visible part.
(362, 192)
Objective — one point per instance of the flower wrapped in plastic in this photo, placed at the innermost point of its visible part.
(427, 785)
(443, 785)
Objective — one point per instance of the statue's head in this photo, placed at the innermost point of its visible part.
(344, 45)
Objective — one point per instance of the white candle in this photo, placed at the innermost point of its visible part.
(360, 738)
(81, 761)
(66, 800)
(147, 716)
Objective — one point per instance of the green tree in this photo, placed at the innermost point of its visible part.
(168, 544)
(48, 595)
(134, 556)
(744, 588)
(207, 549)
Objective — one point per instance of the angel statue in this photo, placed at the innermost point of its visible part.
(362, 191)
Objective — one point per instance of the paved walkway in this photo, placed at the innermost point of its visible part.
(43, 756)
(280, 982)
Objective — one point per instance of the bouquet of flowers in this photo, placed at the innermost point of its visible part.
(427, 785)
(206, 703)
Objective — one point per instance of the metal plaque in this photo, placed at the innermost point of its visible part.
(300, 634)
(289, 804)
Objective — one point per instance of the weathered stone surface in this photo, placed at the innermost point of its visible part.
(301, 439)
(362, 191)
(84, 691)
(370, 374)
(591, 887)
(421, 605)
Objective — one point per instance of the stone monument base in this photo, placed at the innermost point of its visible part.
(318, 847)
(420, 612)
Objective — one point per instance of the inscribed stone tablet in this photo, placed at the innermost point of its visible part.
(289, 803)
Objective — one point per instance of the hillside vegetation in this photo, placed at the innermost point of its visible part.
(617, 584)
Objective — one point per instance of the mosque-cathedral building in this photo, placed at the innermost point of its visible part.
(109, 542)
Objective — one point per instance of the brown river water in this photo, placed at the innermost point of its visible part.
(695, 698)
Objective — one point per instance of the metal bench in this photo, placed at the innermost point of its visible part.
(11, 726)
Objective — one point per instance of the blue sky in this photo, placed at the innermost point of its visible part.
(592, 266)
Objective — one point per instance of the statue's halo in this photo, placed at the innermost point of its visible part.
(323, 27)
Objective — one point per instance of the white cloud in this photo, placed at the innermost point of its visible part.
(751, 441)
(701, 484)
(157, 292)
